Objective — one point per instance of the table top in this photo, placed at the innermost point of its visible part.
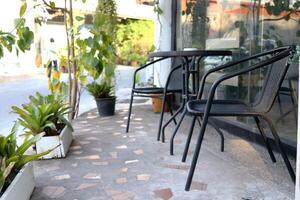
(190, 53)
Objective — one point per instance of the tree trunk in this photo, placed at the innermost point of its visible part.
(74, 82)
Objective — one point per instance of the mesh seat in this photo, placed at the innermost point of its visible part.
(152, 90)
(220, 108)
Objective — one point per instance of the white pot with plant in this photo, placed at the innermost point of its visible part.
(16, 171)
(47, 114)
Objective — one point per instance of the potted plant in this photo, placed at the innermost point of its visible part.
(16, 171)
(157, 101)
(96, 56)
(47, 114)
(105, 100)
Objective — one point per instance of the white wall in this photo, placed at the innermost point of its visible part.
(298, 157)
(163, 41)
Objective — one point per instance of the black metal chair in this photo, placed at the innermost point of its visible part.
(149, 91)
(291, 91)
(276, 63)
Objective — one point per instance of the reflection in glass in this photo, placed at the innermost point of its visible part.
(245, 27)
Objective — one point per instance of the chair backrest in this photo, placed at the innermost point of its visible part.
(277, 68)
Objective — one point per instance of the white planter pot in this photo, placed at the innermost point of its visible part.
(64, 140)
(22, 186)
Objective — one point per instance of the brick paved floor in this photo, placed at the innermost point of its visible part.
(105, 163)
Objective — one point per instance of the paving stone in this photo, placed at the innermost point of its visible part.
(178, 141)
(84, 142)
(54, 191)
(104, 163)
(62, 177)
(74, 164)
(98, 149)
(132, 139)
(196, 185)
(143, 177)
(91, 157)
(121, 180)
(164, 194)
(174, 166)
(77, 152)
(131, 161)
(124, 169)
(86, 185)
(93, 139)
(139, 152)
(92, 117)
(121, 147)
(92, 176)
(113, 154)
(111, 192)
(119, 194)
(52, 168)
(124, 196)
(77, 147)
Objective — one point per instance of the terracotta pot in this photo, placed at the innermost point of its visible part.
(38, 60)
(157, 103)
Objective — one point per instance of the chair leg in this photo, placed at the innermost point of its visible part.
(265, 139)
(281, 150)
(175, 131)
(129, 112)
(294, 99)
(161, 116)
(188, 140)
(199, 121)
(171, 111)
(210, 122)
(196, 154)
(280, 105)
(169, 121)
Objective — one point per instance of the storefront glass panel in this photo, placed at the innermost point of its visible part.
(246, 28)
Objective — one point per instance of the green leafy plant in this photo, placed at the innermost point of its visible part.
(135, 40)
(20, 38)
(14, 157)
(43, 114)
(99, 90)
(96, 53)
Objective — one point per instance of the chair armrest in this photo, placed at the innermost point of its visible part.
(241, 71)
(143, 67)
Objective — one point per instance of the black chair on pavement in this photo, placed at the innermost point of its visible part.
(149, 91)
(276, 63)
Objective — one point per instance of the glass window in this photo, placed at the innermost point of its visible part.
(246, 27)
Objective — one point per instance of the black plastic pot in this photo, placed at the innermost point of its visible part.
(106, 106)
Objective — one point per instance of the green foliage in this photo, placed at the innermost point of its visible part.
(276, 7)
(99, 90)
(295, 57)
(157, 9)
(43, 113)
(13, 157)
(20, 38)
(96, 53)
(135, 40)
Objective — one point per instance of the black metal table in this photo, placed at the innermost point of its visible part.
(195, 56)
